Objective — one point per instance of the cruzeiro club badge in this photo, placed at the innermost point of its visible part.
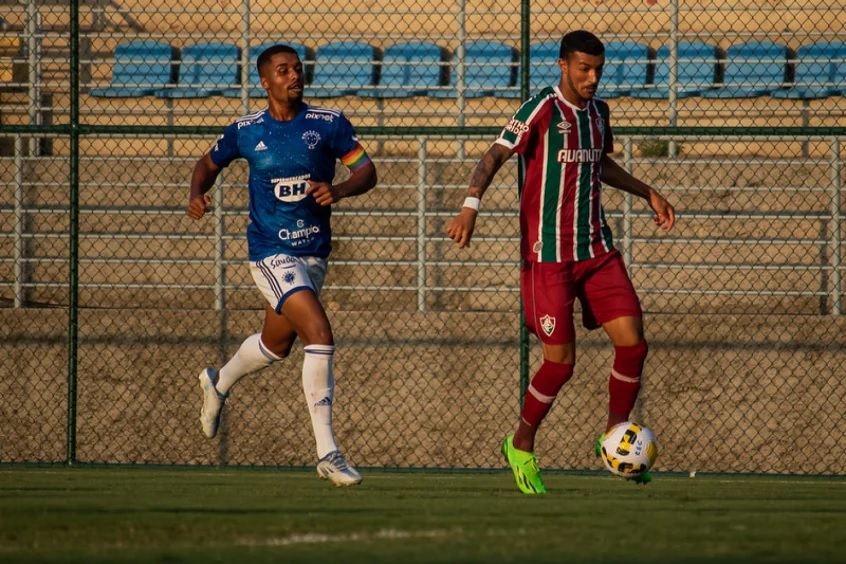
(311, 138)
(547, 324)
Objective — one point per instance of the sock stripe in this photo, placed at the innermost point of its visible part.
(539, 396)
(326, 350)
(267, 352)
(623, 377)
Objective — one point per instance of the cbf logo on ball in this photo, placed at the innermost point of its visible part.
(291, 189)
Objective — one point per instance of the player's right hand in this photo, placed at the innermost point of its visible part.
(198, 206)
(461, 228)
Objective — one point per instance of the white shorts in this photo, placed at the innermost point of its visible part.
(279, 276)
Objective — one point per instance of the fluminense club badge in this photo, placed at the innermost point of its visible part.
(547, 325)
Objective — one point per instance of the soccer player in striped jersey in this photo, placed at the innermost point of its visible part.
(562, 137)
(291, 148)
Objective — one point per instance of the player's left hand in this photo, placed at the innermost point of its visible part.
(665, 214)
(322, 192)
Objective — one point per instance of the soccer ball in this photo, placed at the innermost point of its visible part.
(629, 449)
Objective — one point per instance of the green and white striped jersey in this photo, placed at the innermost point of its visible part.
(560, 148)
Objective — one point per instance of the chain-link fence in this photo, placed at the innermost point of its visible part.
(111, 299)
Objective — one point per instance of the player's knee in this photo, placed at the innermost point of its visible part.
(317, 335)
(629, 360)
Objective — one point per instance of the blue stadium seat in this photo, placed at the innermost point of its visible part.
(207, 69)
(411, 69)
(696, 71)
(626, 68)
(543, 65)
(255, 88)
(344, 68)
(140, 68)
(752, 69)
(820, 71)
(490, 69)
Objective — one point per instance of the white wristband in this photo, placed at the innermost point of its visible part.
(472, 203)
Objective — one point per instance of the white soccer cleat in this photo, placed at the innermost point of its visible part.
(334, 467)
(213, 402)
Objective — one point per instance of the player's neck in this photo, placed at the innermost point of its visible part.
(571, 97)
(574, 99)
(284, 111)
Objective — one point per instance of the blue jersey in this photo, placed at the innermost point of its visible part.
(282, 156)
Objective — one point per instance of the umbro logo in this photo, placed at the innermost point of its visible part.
(261, 146)
(564, 126)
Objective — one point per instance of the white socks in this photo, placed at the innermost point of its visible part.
(252, 356)
(319, 387)
(318, 383)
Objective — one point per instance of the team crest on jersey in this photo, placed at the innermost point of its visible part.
(311, 138)
(600, 124)
(564, 127)
(547, 325)
(537, 247)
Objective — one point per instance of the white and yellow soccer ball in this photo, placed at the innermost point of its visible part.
(629, 449)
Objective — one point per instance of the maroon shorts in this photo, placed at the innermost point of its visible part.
(549, 290)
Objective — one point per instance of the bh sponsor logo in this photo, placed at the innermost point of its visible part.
(292, 189)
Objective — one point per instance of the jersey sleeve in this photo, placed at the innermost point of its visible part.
(225, 149)
(347, 147)
(517, 133)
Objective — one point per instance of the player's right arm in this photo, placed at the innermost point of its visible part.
(223, 152)
(203, 178)
(461, 228)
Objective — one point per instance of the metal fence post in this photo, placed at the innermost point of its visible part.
(421, 224)
(836, 234)
(672, 147)
(18, 277)
(33, 46)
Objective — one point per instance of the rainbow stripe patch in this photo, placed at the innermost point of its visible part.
(356, 158)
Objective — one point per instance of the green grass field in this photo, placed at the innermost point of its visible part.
(208, 515)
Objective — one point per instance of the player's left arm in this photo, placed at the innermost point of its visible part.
(362, 174)
(618, 177)
(353, 156)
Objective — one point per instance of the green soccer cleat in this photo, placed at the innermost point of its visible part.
(525, 468)
(598, 446)
(644, 478)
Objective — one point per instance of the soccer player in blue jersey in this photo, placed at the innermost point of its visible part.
(291, 148)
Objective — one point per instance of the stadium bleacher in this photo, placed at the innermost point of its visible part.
(411, 68)
(627, 68)
(752, 69)
(820, 71)
(206, 69)
(140, 69)
(696, 71)
(345, 68)
(490, 69)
